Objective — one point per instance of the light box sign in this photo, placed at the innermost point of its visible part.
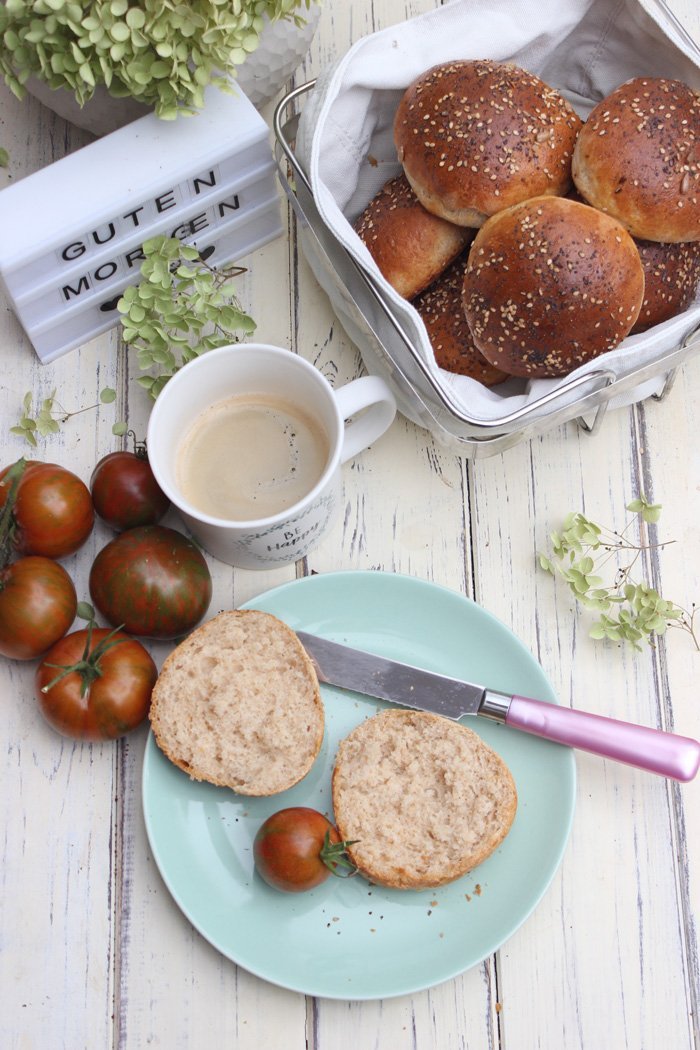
(73, 232)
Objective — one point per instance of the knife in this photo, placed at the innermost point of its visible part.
(667, 754)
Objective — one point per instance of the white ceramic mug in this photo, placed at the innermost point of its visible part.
(269, 372)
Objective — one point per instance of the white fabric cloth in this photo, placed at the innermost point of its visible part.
(585, 48)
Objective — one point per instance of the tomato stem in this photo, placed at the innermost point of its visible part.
(13, 477)
(140, 449)
(88, 666)
(334, 856)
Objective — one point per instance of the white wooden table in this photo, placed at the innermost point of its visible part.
(93, 951)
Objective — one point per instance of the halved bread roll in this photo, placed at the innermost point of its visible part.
(425, 798)
(238, 704)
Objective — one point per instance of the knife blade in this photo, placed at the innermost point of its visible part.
(654, 750)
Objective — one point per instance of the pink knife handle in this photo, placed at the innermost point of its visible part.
(651, 749)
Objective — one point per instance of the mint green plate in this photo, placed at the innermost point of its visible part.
(348, 939)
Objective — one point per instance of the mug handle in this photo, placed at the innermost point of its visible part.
(368, 392)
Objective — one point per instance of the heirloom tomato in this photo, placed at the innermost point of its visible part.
(297, 849)
(51, 512)
(37, 606)
(95, 684)
(125, 492)
(152, 581)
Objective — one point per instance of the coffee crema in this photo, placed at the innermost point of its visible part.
(251, 457)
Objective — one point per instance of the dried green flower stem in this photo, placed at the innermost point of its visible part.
(629, 612)
(50, 415)
(181, 308)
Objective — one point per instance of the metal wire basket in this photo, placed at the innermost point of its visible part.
(387, 350)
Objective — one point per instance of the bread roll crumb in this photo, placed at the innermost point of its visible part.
(237, 704)
(426, 799)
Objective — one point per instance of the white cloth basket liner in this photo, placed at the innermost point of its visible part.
(585, 48)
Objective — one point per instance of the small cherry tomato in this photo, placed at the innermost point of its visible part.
(52, 513)
(152, 581)
(95, 684)
(125, 492)
(37, 606)
(297, 849)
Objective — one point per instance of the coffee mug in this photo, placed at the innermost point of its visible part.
(248, 441)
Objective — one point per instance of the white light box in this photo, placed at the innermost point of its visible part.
(73, 231)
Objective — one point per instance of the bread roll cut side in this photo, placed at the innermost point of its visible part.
(426, 799)
(237, 704)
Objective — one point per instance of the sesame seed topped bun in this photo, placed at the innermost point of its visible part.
(551, 284)
(475, 137)
(638, 159)
(409, 244)
(440, 307)
(671, 280)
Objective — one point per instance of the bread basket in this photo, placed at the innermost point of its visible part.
(604, 42)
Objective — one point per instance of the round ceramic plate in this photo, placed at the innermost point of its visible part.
(348, 939)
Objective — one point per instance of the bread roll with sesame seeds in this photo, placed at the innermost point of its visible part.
(410, 246)
(638, 159)
(440, 307)
(551, 284)
(671, 280)
(475, 137)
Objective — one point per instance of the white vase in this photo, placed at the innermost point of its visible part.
(101, 115)
(281, 49)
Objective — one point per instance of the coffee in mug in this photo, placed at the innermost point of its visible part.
(248, 442)
(272, 453)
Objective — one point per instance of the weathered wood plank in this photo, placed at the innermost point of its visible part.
(94, 951)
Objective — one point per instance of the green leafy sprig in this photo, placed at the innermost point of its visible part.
(50, 415)
(630, 612)
(4, 157)
(181, 308)
(161, 54)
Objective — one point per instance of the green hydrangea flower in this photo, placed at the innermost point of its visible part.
(161, 54)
